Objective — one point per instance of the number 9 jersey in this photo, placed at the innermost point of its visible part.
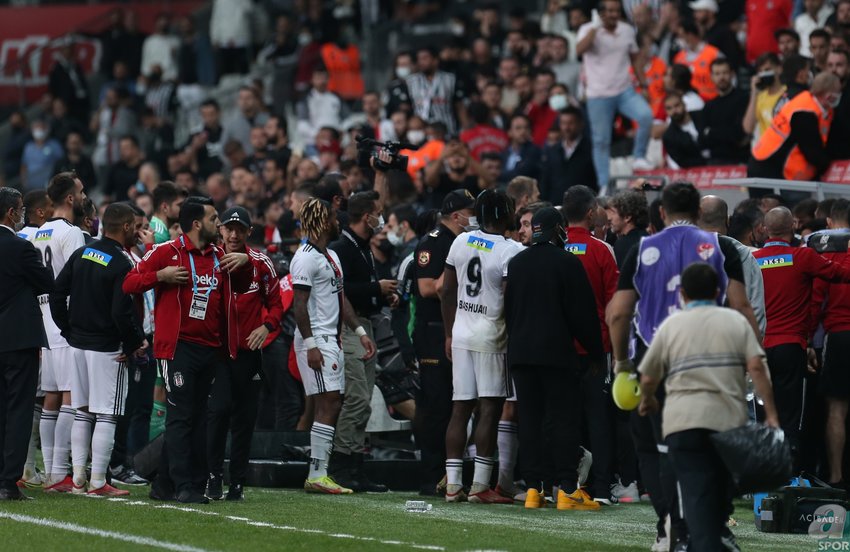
(481, 262)
(55, 241)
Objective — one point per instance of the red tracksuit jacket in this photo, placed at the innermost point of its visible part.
(600, 264)
(788, 273)
(831, 302)
(261, 304)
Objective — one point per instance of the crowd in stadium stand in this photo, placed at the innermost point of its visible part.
(531, 106)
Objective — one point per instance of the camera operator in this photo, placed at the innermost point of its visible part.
(765, 91)
(453, 170)
(367, 296)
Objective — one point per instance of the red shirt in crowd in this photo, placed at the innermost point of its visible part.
(788, 273)
(261, 304)
(542, 118)
(483, 138)
(831, 301)
(764, 18)
(600, 264)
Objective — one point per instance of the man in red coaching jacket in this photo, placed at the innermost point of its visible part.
(788, 273)
(830, 305)
(195, 320)
(236, 388)
(600, 264)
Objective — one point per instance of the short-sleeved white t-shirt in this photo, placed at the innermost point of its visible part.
(606, 64)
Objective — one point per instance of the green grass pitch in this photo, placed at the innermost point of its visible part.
(272, 520)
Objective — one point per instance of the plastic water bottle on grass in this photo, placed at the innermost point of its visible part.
(417, 506)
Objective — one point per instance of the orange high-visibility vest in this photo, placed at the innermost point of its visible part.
(343, 65)
(700, 68)
(654, 75)
(796, 166)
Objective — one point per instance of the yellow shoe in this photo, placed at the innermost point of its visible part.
(441, 486)
(325, 485)
(454, 493)
(535, 499)
(578, 500)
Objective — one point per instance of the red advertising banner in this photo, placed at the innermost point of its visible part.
(704, 177)
(28, 46)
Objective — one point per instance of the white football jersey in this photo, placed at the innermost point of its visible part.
(55, 241)
(28, 232)
(481, 263)
(321, 273)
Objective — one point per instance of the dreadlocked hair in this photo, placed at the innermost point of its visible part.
(315, 214)
(493, 207)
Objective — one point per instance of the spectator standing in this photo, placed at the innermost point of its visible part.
(521, 157)
(341, 60)
(788, 43)
(838, 143)
(205, 147)
(230, 33)
(21, 282)
(195, 60)
(764, 18)
(76, 161)
(124, 174)
(722, 133)
(717, 33)
(698, 56)
(819, 49)
(160, 49)
(434, 94)
(570, 161)
(40, 154)
(320, 108)
(250, 113)
(67, 81)
(13, 150)
(395, 96)
(815, 15)
(765, 91)
(567, 71)
(281, 54)
(483, 137)
(681, 139)
(113, 121)
(608, 50)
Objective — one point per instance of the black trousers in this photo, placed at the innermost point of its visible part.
(18, 382)
(233, 406)
(281, 396)
(705, 486)
(540, 400)
(787, 367)
(188, 378)
(133, 429)
(433, 402)
(601, 425)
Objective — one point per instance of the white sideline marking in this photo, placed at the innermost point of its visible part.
(256, 523)
(65, 526)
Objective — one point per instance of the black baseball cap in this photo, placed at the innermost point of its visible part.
(457, 200)
(236, 214)
(544, 223)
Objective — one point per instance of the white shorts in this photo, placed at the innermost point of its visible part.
(332, 375)
(100, 382)
(476, 374)
(57, 368)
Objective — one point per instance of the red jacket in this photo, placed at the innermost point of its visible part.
(261, 304)
(484, 138)
(830, 302)
(542, 118)
(788, 273)
(172, 301)
(599, 263)
(287, 296)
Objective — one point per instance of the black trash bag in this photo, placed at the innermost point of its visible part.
(757, 456)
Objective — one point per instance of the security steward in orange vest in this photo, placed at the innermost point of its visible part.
(794, 147)
(697, 56)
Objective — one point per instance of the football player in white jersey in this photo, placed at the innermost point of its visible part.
(320, 307)
(37, 209)
(476, 341)
(55, 240)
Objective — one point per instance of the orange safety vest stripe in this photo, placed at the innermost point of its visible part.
(343, 65)
(700, 68)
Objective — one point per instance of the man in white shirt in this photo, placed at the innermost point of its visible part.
(815, 16)
(160, 48)
(608, 49)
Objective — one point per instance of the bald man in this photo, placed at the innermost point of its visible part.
(788, 273)
(714, 217)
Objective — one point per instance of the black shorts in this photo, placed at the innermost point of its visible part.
(835, 373)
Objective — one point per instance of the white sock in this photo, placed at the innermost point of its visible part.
(454, 471)
(483, 471)
(101, 448)
(81, 445)
(62, 444)
(508, 445)
(29, 465)
(47, 430)
(321, 442)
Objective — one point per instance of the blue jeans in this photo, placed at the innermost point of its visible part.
(601, 113)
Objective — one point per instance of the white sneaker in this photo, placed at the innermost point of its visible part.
(662, 544)
(584, 466)
(627, 494)
(642, 164)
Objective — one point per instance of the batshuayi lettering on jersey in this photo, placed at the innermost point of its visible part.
(481, 262)
(321, 273)
(56, 240)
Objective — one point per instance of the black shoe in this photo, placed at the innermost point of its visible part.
(341, 468)
(214, 491)
(13, 494)
(235, 493)
(124, 475)
(161, 492)
(366, 484)
(191, 497)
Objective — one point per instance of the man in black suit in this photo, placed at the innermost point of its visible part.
(23, 278)
(681, 139)
(570, 161)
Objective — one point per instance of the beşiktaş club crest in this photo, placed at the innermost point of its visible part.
(705, 251)
(178, 379)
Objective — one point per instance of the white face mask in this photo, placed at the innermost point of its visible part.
(471, 224)
(39, 134)
(558, 102)
(833, 100)
(416, 137)
(402, 72)
(396, 238)
(378, 227)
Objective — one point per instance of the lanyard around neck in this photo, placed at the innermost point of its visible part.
(194, 274)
